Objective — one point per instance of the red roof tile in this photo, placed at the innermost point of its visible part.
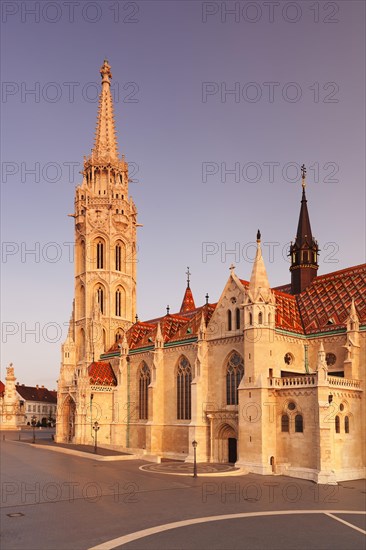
(188, 301)
(101, 374)
(325, 304)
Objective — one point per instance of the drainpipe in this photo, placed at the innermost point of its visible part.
(128, 403)
(306, 361)
(91, 415)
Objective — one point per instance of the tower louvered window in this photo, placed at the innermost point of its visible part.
(118, 303)
(118, 257)
(100, 255)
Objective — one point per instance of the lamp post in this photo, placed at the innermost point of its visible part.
(96, 428)
(34, 420)
(194, 445)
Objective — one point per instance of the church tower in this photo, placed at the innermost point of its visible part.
(105, 241)
(304, 251)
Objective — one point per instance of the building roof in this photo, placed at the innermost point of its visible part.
(37, 393)
(325, 304)
(323, 307)
(101, 374)
(2, 388)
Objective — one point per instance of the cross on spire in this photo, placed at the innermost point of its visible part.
(303, 174)
(188, 273)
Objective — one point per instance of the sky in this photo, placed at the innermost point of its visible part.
(217, 105)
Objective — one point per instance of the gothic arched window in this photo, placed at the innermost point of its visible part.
(250, 318)
(229, 320)
(100, 255)
(144, 382)
(118, 303)
(299, 425)
(237, 318)
(285, 423)
(234, 374)
(184, 379)
(118, 257)
(337, 425)
(346, 424)
(100, 298)
(260, 318)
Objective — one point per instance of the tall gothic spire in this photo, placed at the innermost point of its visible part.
(105, 144)
(304, 251)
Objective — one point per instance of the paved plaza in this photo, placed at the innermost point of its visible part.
(60, 500)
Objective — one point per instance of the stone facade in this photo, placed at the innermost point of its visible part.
(271, 379)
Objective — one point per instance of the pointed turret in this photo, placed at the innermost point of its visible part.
(259, 302)
(304, 251)
(258, 280)
(188, 300)
(159, 340)
(105, 144)
(353, 322)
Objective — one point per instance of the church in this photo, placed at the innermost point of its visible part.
(271, 379)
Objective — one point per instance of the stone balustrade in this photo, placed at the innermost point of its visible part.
(312, 380)
(336, 381)
(293, 381)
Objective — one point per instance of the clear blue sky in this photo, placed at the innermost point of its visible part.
(297, 76)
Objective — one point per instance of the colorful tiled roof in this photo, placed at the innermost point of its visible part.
(37, 393)
(2, 388)
(101, 374)
(325, 304)
(287, 312)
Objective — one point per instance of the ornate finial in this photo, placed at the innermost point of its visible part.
(258, 236)
(136, 318)
(188, 273)
(207, 297)
(303, 174)
(167, 310)
(232, 267)
(105, 72)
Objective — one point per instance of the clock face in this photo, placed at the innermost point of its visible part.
(330, 359)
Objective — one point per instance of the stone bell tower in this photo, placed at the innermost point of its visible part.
(105, 241)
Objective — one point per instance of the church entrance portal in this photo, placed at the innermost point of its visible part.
(232, 445)
(227, 439)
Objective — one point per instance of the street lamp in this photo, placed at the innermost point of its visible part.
(34, 421)
(96, 428)
(194, 445)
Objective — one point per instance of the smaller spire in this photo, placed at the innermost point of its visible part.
(159, 340)
(203, 328)
(258, 277)
(188, 300)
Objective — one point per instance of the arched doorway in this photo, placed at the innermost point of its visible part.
(69, 412)
(227, 439)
